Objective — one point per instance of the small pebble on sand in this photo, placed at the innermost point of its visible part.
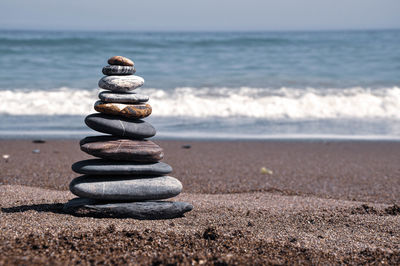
(38, 141)
(6, 157)
(266, 171)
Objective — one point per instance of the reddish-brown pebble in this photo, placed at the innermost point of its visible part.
(120, 61)
(125, 110)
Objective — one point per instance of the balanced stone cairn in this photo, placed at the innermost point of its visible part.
(128, 180)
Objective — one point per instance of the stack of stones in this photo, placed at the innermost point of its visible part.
(128, 180)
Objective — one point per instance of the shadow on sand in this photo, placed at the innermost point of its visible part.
(58, 208)
(54, 208)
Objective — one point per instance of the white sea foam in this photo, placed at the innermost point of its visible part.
(41, 102)
(285, 103)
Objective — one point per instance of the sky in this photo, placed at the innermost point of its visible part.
(202, 15)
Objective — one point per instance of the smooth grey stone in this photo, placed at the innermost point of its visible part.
(145, 210)
(121, 83)
(115, 97)
(120, 126)
(107, 167)
(123, 188)
(118, 70)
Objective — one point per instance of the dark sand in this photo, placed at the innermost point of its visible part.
(326, 202)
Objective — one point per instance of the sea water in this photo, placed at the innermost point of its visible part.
(217, 85)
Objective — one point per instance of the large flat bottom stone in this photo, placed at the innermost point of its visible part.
(144, 210)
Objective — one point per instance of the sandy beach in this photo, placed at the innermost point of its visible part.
(322, 202)
(267, 131)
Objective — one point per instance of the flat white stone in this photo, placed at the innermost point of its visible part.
(121, 83)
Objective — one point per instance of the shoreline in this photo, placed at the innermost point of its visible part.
(214, 137)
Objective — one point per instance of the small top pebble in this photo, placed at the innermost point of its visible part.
(120, 61)
(38, 141)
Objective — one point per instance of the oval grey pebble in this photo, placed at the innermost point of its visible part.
(115, 97)
(123, 188)
(107, 167)
(120, 126)
(118, 70)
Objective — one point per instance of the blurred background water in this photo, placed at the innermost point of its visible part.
(256, 85)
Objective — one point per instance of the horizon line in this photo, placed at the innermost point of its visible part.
(201, 30)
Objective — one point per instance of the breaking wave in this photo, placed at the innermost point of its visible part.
(283, 103)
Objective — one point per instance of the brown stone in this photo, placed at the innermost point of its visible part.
(126, 110)
(114, 148)
(120, 61)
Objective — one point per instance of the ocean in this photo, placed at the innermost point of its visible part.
(209, 85)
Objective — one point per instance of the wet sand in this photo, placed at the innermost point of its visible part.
(325, 202)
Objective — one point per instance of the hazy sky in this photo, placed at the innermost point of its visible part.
(199, 15)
